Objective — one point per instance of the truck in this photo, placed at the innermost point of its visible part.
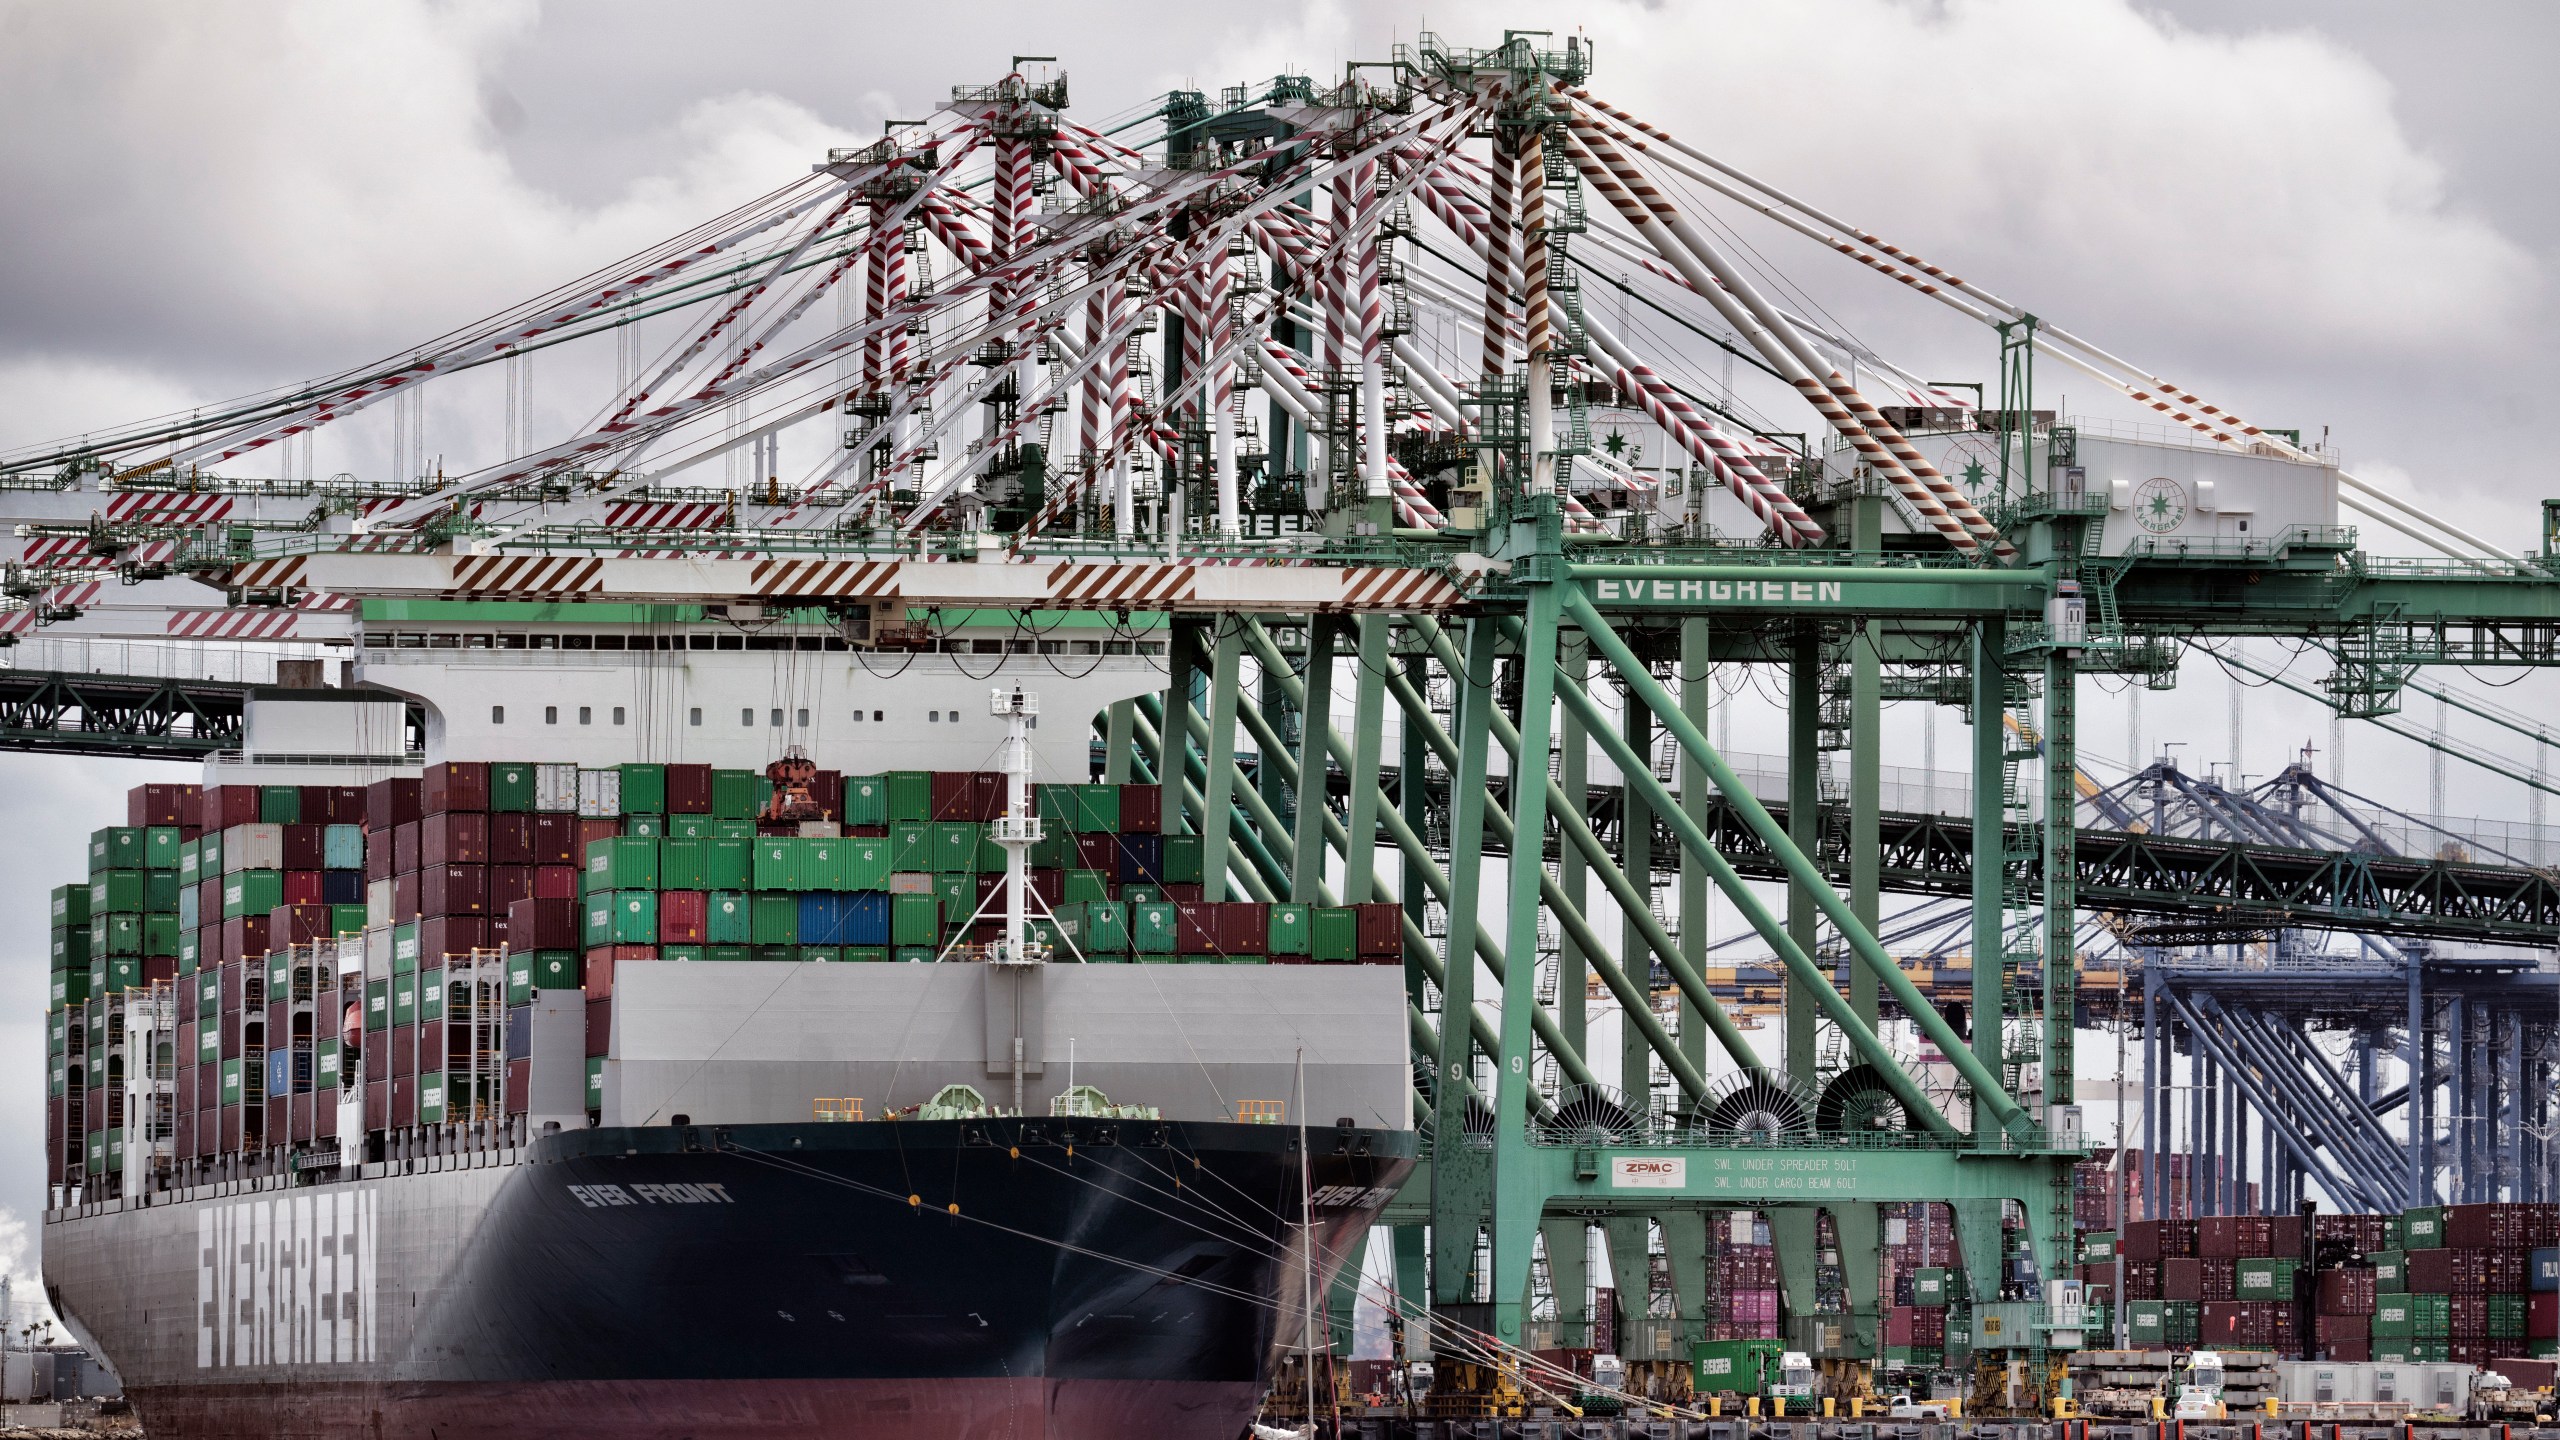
(1783, 1380)
(2200, 1392)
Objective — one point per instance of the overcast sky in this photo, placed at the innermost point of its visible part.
(2337, 214)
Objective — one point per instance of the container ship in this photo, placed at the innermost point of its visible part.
(504, 1039)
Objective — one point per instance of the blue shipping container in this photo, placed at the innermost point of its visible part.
(342, 847)
(819, 918)
(865, 917)
(2545, 1266)
(288, 1072)
(342, 887)
(1141, 859)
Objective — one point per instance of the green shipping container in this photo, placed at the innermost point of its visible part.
(511, 787)
(910, 846)
(325, 1069)
(1152, 928)
(1336, 933)
(732, 919)
(431, 1095)
(644, 789)
(737, 794)
(777, 954)
(955, 848)
(958, 897)
(1106, 928)
(913, 954)
(866, 953)
(118, 892)
(2394, 1316)
(990, 854)
(622, 862)
(231, 1082)
(915, 919)
(2390, 1272)
(1056, 806)
(2146, 1322)
(160, 934)
(117, 847)
(1182, 859)
(818, 861)
(280, 804)
(160, 847)
(777, 861)
(1292, 931)
(862, 864)
(1085, 887)
(648, 827)
(404, 948)
(1051, 851)
(729, 863)
(595, 1083)
(821, 954)
(346, 919)
(2265, 1279)
(70, 904)
(728, 952)
(635, 918)
(404, 1001)
(866, 799)
(910, 795)
(431, 994)
(689, 827)
(688, 954)
(774, 918)
(160, 892)
(251, 892)
(1098, 809)
(520, 977)
(682, 864)
(2422, 1228)
(2098, 1247)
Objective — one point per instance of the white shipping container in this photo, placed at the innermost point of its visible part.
(599, 794)
(555, 788)
(377, 953)
(252, 847)
(379, 901)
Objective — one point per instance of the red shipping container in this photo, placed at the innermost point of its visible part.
(2542, 1315)
(2218, 1237)
(224, 806)
(2346, 1291)
(603, 960)
(378, 861)
(555, 882)
(305, 887)
(297, 1120)
(1381, 929)
(1098, 852)
(392, 802)
(994, 793)
(507, 885)
(377, 1057)
(1050, 886)
(954, 795)
(2524, 1373)
(519, 1086)
(2182, 1278)
(688, 789)
(404, 897)
(442, 935)
(454, 785)
(242, 936)
(377, 1106)
(404, 1052)
(298, 924)
(2141, 1241)
(599, 1026)
(1141, 809)
(404, 1101)
(555, 839)
(1244, 927)
(827, 789)
(453, 890)
(2285, 1237)
(2221, 1277)
(1184, 893)
(2448, 1272)
(156, 968)
(453, 838)
(162, 805)
(2348, 1350)
(2328, 1330)
(511, 838)
(543, 924)
(405, 847)
(683, 917)
(1195, 927)
(346, 807)
(230, 1141)
(431, 1051)
(590, 831)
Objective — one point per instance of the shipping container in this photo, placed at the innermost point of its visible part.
(644, 789)
(555, 789)
(599, 794)
(512, 787)
(688, 790)
(454, 785)
(915, 919)
(622, 863)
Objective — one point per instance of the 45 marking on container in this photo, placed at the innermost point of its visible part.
(605, 1197)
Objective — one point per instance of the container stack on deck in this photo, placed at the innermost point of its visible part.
(404, 928)
(2465, 1284)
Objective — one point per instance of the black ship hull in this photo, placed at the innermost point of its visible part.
(963, 1278)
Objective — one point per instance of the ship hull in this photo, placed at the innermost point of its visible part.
(963, 1278)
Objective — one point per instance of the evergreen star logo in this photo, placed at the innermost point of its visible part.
(1615, 444)
(2159, 505)
(1976, 476)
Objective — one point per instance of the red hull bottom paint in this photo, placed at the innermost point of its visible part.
(953, 1409)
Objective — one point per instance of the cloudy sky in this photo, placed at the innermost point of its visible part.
(2334, 215)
